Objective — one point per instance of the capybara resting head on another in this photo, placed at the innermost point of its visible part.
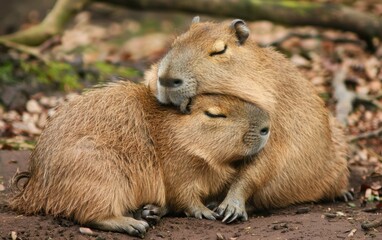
(305, 157)
(114, 149)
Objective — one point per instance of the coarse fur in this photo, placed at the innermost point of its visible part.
(110, 151)
(305, 159)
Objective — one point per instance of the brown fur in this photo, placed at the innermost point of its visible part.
(114, 149)
(305, 156)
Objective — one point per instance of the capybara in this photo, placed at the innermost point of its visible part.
(109, 152)
(305, 159)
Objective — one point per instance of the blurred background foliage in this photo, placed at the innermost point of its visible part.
(106, 42)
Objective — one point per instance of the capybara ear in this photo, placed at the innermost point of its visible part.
(241, 30)
(196, 19)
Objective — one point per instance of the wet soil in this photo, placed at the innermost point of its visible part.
(305, 221)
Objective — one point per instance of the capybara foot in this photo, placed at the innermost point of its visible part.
(152, 213)
(346, 196)
(201, 212)
(231, 209)
(123, 224)
(212, 205)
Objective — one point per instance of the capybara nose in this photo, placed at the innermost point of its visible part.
(170, 82)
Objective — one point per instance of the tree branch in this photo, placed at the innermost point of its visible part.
(54, 23)
(369, 100)
(32, 51)
(288, 36)
(343, 96)
(287, 12)
(370, 134)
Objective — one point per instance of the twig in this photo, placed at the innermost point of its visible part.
(373, 224)
(374, 133)
(369, 100)
(53, 24)
(344, 97)
(32, 51)
(288, 36)
(371, 210)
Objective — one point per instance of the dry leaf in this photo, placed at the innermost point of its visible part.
(375, 86)
(33, 106)
(220, 236)
(352, 232)
(13, 235)
(87, 231)
(368, 193)
(300, 61)
(371, 67)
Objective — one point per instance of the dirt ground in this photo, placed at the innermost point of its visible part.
(305, 221)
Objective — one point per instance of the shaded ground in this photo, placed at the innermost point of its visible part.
(317, 221)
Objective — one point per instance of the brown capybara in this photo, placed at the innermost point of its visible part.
(114, 149)
(305, 159)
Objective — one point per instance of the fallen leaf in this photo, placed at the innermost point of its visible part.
(2, 188)
(33, 106)
(29, 127)
(87, 231)
(300, 61)
(368, 194)
(371, 67)
(13, 235)
(350, 204)
(375, 86)
(220, 236)
(340, 214)
(352, 232)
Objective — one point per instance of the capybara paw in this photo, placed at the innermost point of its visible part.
(136, 228)
(212, 205)
(123, 224)
(231, 210)
(346, 196)
(153, 213)
(201, 212)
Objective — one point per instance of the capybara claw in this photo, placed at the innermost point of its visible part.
(232, 210)
(347, 196)
(201, 212)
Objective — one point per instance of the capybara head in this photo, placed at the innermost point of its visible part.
(207, 53)
(222, 128)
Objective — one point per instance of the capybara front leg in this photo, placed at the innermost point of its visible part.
(123, 224)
